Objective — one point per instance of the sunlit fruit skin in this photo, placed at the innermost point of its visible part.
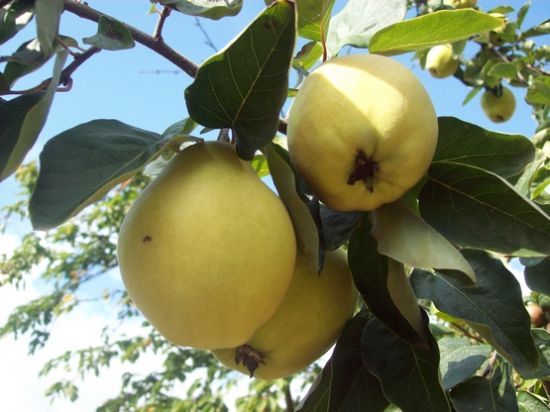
(498, 108)
(306, 324)
(441, 61)
(207, 250)
(462, 4)
(361, 108)
(537, 315)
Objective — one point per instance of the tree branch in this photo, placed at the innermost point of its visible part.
(84, 11)
(157, 34)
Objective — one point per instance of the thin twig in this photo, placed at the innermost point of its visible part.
(86, 12)
(490, 365)
(466, 332)
(208, 40)
(157, 34)
(65, 79)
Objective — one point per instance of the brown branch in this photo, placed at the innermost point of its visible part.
(157, 45)
(157, 34)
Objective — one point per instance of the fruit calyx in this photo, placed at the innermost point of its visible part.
(250, 358)
(364, 169)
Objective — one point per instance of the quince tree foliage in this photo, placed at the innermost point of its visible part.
(441, 324)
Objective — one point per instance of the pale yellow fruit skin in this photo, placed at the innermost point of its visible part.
(207, 251)
(462, 4)
(498, 108)
(367, 102)
(441, 61)
(307, 323)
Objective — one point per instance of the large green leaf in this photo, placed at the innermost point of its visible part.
(496, 394)
(304, 226)
(384, 286)
(47, 14)
(21, 121)
(494, 301)
(80, 165)
(409, 375)
(245, 86)
(404, 236)
(537, 276)
(476, 208)
(345, 384)
(111, 35)
(445, 26)
(529, 402)
(213, 9)
(460, 359)
(359, 20)
(542, 340)
(313, 18)
(462, 142)
(13, 17)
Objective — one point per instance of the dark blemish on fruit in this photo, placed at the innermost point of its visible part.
(146, 238)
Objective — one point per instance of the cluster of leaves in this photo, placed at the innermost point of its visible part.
(482, 203)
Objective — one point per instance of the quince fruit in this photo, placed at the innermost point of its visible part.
(307, 323)
(361, 131)
(441, 61)
(207, 251)
(498, 108)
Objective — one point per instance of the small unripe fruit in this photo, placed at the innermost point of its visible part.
(441, 61)
(462, 4)
(498, 108)
(536, 314)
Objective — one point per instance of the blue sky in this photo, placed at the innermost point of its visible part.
(124, 85)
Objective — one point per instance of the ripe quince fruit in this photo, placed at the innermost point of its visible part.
(361, 131)
(441, 61)
(307, 323)
(498, 108)
(207, 251)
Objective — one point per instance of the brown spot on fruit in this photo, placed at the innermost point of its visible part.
(147, 238)
(364, 169)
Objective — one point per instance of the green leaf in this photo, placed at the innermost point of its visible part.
(384, 286)
(306, 231)
(29, 57)
(336, 227)
(345, 384)
(409, 375)
(80, 165)
(461, 142)
(313, 18)
(494, 301)
(111, 35)
(478, 209)
(522, 12)
(537, 277)
(13, 17)
(538, 91)
(245, 86)
(406, 237)
(460, 359)
(359, 20)
(47, 14)
(212, 9)
(471, 94)
(504, 70)
(542, 340)
(529, 402)
(308, 55)
(21, 121)
(487, 395)
(445, 26)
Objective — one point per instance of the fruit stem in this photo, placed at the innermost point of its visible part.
(250, 358)
(364, 169)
